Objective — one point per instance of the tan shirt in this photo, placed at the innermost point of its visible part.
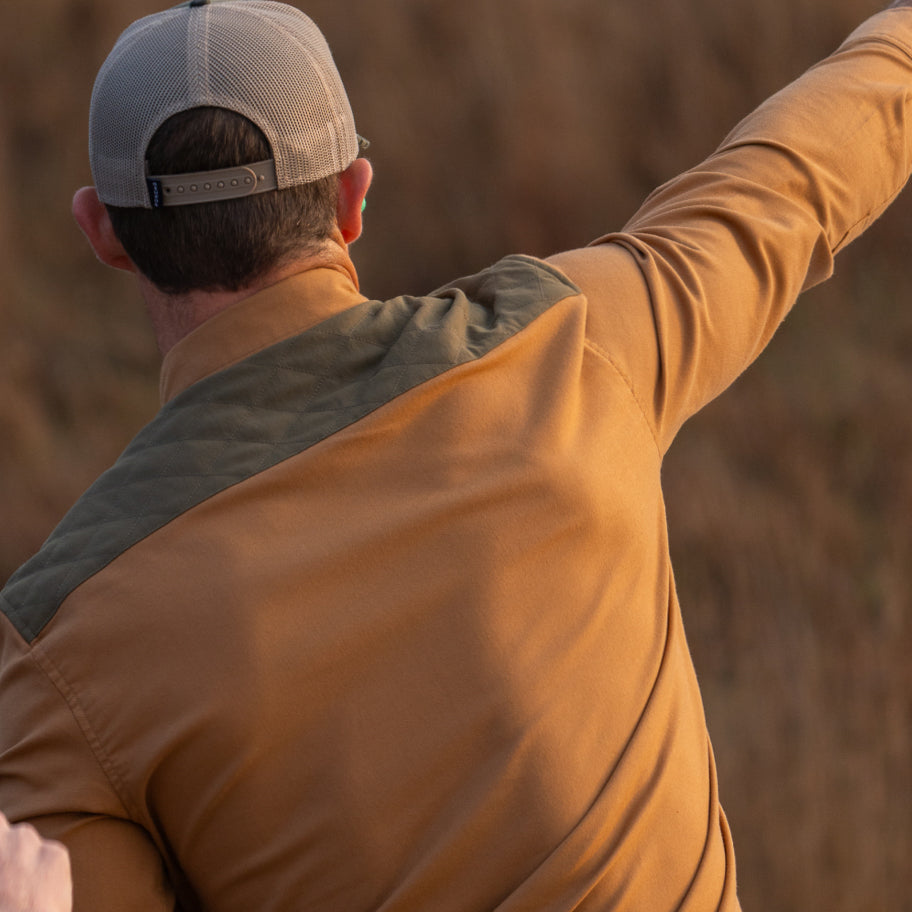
(429, 656)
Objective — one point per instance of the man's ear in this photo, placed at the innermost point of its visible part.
(354, 182)
(92, 217)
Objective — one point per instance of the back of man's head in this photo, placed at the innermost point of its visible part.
(189, 97)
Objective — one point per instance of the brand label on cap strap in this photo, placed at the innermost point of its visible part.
(155, 192)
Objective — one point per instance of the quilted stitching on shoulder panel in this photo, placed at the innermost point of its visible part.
(271, 406)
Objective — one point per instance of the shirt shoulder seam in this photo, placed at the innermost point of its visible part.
(603, 355)
(47, 667)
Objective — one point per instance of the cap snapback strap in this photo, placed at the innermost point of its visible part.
(210, 186)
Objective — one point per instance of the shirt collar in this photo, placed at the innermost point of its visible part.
(252, 324)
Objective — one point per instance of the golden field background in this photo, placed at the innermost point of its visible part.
(533, 125)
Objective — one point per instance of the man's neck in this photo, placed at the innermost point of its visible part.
(175, 316)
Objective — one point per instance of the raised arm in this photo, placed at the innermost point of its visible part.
(692, 289)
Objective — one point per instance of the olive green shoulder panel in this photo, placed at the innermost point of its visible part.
(271, 406)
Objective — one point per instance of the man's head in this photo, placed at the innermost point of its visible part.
(185, 99)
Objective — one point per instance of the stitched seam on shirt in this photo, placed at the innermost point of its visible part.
(604, 356)
(47, 666)
(18, 619)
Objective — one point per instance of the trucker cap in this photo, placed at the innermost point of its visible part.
(262, 59)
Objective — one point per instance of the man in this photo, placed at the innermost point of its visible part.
(378, 612)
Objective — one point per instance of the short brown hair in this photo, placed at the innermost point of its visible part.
(226, 245)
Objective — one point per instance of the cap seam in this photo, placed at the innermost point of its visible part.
(328, 90)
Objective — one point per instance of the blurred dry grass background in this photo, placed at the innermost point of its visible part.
(534, 125)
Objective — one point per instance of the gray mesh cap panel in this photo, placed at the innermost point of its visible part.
(265, 60)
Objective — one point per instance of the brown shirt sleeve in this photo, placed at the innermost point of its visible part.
(692, 289)
(52, 778)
